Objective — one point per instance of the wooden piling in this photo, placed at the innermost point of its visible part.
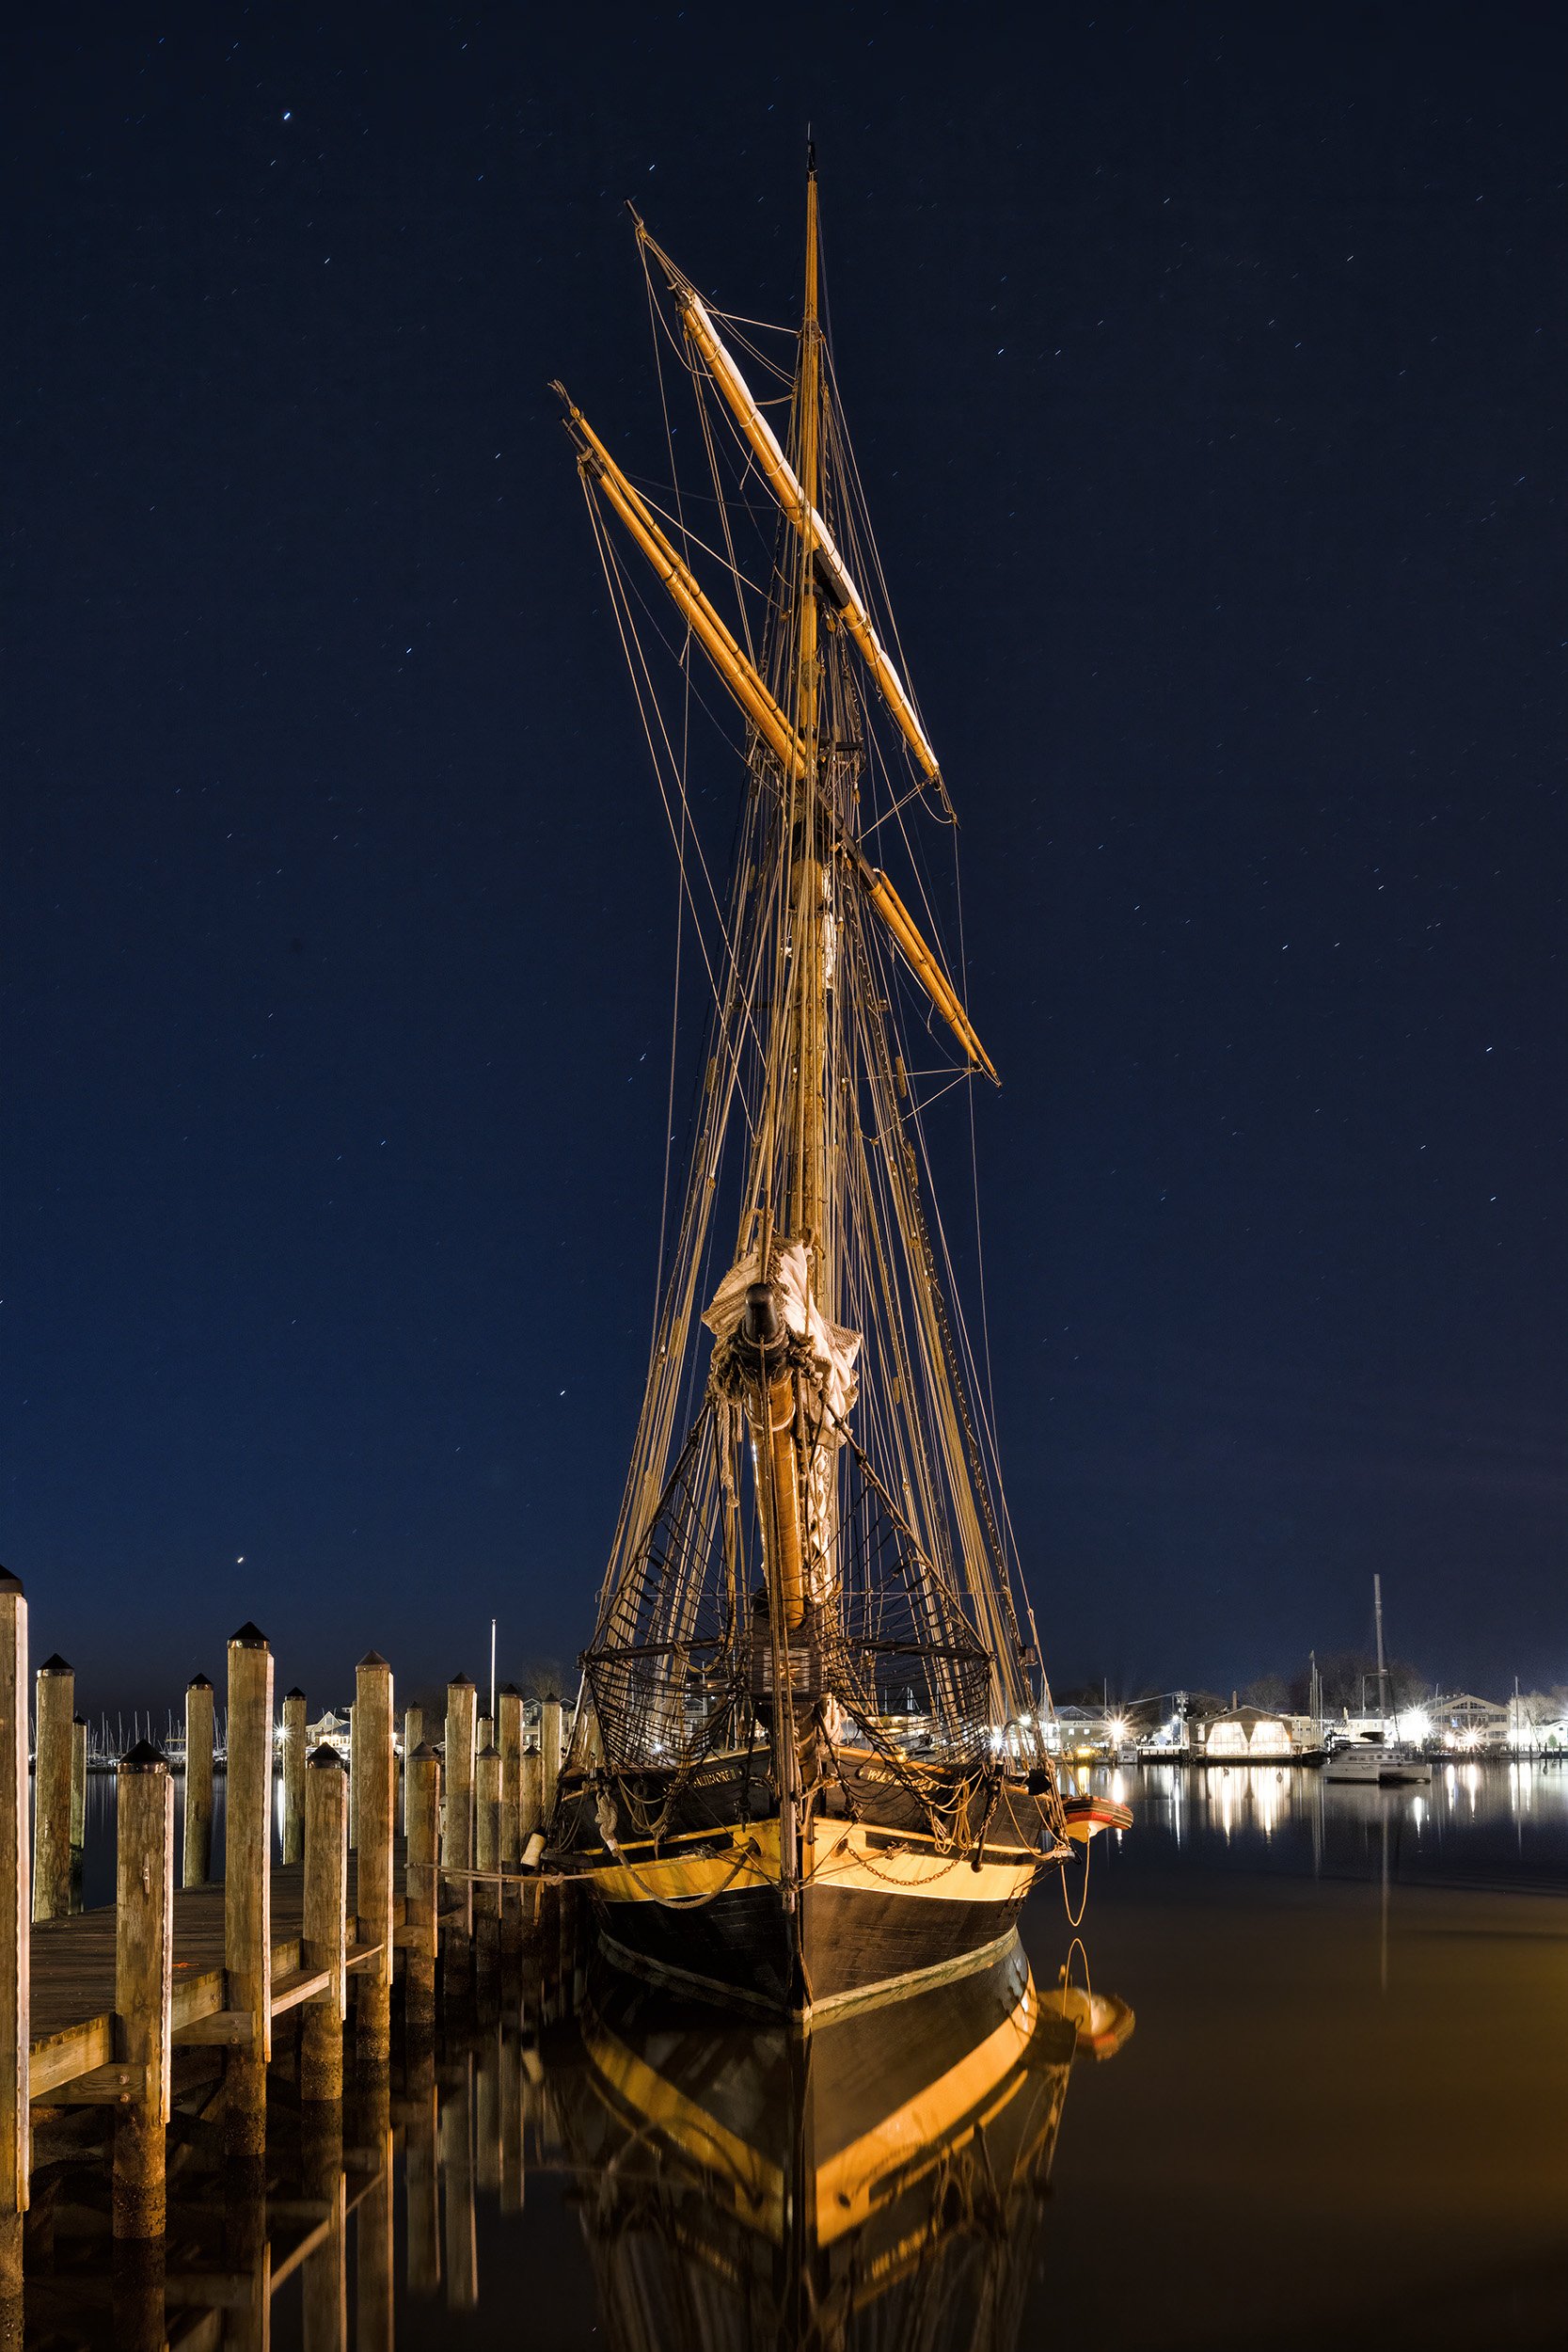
(376, 1784)
(457, 1831)
(487, 1908)
(247, 1888)
(509, 1738)
(413, 1737)
(144, 1978)
(530, 1799)
(293, 1776)
(78, 1788)
(15, 1938)
(55, 1706)
(324, 1942)
(550, 1751)
(353, 1777)
(197, 1860)
(423, 1791)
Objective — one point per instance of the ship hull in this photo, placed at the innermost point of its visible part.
(873, 1921)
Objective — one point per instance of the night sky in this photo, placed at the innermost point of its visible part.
(1203, 370)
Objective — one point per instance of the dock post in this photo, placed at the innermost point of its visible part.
(324, 1942)
(457, 1834)
(530, 1799)
(422, 1773)
(293, 1776)
(248, 1889)
(413, 1737)
(487, 1909)
(353, 1776)
(15, 1939)
(550, 1751)
(143, 1983)
(56, 1708)
(198, 1861)
(508, 1731)
(509, 1738)
(375, 1785)
(78, 1789)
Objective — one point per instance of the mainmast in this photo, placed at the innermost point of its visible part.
(806, 840)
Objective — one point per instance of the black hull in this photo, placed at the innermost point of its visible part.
(851, 1944)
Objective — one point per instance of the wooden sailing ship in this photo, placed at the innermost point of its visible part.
(809, 1766)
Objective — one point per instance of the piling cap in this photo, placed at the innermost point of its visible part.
(552, 1698)
(489, 1749)
(56, 1666)
(510, 1691)
(248, 1637)
(80, 1720)
(425, 1754)
(10, 1584)
(372, 1658)
(295, 1694)
(321, 1757)
(144, 1757)
(199, 1682)
(460, 1682)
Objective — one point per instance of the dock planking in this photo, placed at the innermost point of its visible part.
(72, 1970)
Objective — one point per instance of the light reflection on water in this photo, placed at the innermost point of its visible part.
(1351, 2050)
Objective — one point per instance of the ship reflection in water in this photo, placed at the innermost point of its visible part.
(879, 2182)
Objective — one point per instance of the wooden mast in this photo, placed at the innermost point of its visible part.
(808, 1198)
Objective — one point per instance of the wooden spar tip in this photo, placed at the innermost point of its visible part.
(144, 1757)
(319, 1760)
(56, 1666)
(10, 1584)
(248, 1637)
(198, 1682)
(372, 1657)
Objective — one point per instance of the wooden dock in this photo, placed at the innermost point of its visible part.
(279, 1966)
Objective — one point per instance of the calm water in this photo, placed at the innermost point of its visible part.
(1343, 2115)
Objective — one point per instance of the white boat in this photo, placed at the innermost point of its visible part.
(1371, 1762)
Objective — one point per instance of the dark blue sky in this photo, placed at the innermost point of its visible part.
(1205, 373)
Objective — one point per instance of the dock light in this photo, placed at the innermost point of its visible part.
(1417, 1725)
(1118, 1727)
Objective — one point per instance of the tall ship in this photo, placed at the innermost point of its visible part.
(809, 1766)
